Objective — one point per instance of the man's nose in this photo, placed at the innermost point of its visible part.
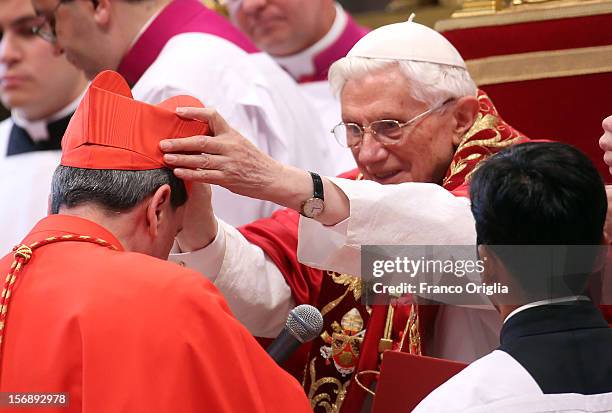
(10, 49)
(370, 150)
(251, 6)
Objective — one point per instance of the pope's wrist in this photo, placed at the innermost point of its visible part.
(188, 242)
(291, 188)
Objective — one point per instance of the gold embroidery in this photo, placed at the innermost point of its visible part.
(352, 321)
(457, 167)
(353, 283)
(330, 306)
(324, 400)
(482, 123)
(415, 336)
(326, 337)
(343, 345)
(341, 355)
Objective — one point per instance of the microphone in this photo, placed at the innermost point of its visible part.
(304, 323)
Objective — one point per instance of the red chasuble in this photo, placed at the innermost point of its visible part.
(354, 335)
(125, 332)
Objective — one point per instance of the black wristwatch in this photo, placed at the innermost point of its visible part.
(313, 207)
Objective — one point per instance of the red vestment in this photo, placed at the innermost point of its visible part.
(351, 339)
(126, 332)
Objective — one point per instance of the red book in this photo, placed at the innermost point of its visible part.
(406, 379)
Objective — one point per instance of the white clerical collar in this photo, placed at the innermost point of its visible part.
(302, 63)
(548, 302)
(37, 129)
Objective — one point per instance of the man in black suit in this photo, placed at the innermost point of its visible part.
(539, 210)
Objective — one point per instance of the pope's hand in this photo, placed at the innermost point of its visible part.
(226, 159)
(605, 142)
(200, 224)
(231, 161)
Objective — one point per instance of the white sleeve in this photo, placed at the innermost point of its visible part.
(404, 214)
(252, 285)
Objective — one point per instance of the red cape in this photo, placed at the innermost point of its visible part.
(125, 332)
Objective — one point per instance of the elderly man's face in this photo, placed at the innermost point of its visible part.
(281, 27)
(32, 77)
(425, 150)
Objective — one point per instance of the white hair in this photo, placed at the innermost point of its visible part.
(432, 83)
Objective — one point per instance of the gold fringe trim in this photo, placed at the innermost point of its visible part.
(524, 13)
(541, 65)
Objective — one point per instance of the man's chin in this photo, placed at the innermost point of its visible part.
(90, 73)
(16, 99)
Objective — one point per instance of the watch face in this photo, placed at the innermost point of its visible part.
(313, 207)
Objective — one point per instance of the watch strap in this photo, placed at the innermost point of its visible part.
(317, 186)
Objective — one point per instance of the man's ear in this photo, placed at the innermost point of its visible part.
(465, 111)
(490, 262)
(102, 12)
(157, 206)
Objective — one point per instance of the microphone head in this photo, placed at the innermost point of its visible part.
(304, 323)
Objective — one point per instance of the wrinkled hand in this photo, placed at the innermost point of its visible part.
(226, 159)
(605, 142)
(199, 224)
(231, 161)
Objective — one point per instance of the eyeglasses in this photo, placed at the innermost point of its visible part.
(386, 131)
(45, 27)
(23, 27)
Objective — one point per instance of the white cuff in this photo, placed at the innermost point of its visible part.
(208, 260)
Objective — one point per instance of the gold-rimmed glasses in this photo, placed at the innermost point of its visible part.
(385, 131)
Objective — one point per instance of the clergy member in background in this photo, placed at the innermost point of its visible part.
(42, 90)
(305, 38)
(414, 118)
(92, 309)
(549, 198)
(165, 47)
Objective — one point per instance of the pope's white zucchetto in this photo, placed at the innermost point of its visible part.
(407, 41)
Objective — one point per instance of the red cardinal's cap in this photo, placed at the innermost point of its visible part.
(111, 130)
